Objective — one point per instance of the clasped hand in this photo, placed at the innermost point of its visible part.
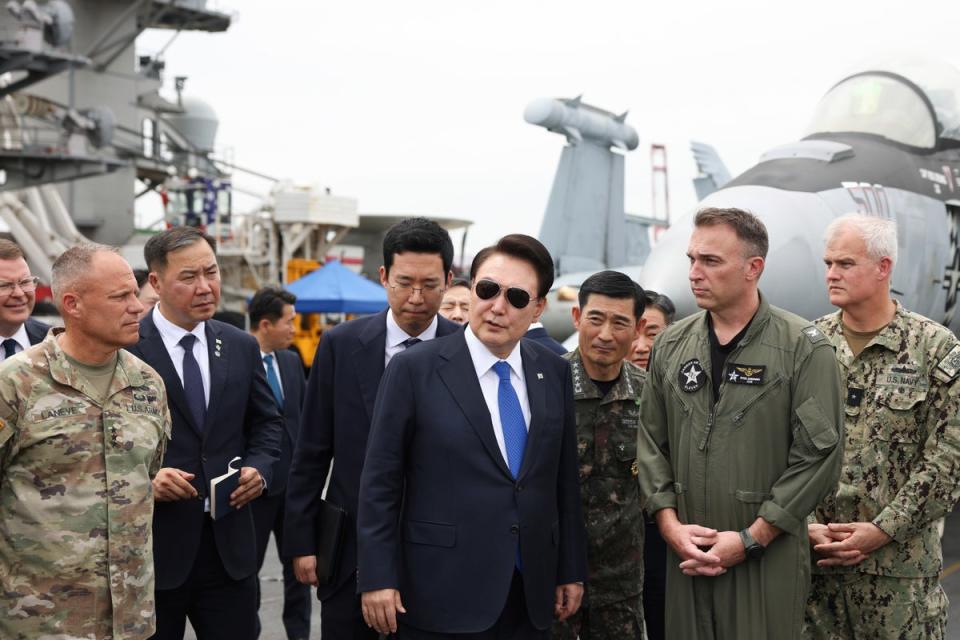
(843, 544)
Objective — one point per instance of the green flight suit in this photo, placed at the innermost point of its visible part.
(770, 447)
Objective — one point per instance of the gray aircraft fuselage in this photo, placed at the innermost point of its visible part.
(798, 189)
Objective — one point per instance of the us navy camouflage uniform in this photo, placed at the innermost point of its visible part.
(900, 472)
(76, 503)
(607, 450)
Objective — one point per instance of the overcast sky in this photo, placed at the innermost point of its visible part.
(416, 107)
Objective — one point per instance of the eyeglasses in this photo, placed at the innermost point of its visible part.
(26, 285)
(408, 289)
(488, 289)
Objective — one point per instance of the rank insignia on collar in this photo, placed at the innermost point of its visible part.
(745, 373)
(635, 468)
(692, 376)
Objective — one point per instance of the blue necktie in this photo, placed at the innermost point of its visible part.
(511, 419)
(409, 342)
(193, 382)
(9, 348)
(272, 380)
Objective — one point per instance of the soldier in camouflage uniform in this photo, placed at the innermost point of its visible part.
(877, 537)
(83, 427)
(606, 391)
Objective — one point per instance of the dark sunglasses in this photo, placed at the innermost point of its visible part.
(488, 289)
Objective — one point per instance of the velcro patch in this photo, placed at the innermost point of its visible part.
(813, 334)
(950, 365)
(745, 373)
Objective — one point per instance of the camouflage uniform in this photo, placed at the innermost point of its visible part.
(76, 502)
(607, 449)
(900, 472)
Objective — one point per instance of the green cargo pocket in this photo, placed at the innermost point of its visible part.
(820, 430)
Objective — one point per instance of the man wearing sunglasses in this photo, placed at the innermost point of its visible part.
(338, 405)
(470, 521)
(18, 294)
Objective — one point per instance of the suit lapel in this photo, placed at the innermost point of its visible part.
(218, 355)
(460, 377)
(155, 353)
(368, 359)
(537, 397)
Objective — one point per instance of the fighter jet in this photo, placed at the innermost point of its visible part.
(885, 142)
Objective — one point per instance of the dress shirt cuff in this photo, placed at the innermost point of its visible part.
(893, 524)
(781, 518)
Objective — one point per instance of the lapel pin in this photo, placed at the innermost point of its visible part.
(539, 376)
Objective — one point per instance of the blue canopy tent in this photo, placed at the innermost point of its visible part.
(333, 288)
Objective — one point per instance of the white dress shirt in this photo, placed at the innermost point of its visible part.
(22, 339)
(396, 337)
(172, 334)
(483, 362)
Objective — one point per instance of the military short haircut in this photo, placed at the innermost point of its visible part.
(158, 247)
(10, 250)
(748, 227)
(418, 235)
(521, 247)
(268, 304)
(72, 265)
(661, 303)
(878, 234)
(616, 285)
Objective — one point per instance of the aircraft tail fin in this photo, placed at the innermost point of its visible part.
(713, 173)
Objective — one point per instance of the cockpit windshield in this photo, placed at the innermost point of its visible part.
(883, 104)
(876, 104)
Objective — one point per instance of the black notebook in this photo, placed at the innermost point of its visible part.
(329, 529)
(221, 487)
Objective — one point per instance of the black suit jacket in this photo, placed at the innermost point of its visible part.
(242, 420)
(441, 516)
(36, 330)
(293, 382)
(336, 416)
(539, 334)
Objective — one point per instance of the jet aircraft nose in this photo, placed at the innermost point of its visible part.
(793, 277)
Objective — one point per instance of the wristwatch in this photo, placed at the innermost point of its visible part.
(751, 547)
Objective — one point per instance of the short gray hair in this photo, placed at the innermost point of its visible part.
(72, 266)
(879, 234)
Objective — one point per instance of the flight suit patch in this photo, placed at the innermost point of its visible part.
(692, 376)
(745, 373)
(814, 334)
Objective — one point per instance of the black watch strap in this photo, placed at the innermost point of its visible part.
(751, 547)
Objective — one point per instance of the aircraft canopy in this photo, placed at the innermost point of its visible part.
(885, 103)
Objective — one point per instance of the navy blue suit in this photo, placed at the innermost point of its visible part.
(36, 330)
(539, 334)
(241, 420)
(441, 516)
(337, 409)
(268, 509)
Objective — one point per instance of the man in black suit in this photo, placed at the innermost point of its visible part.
(417, 257)
(470, 523)
(271, 323)
(221, 407)
(18, 294)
